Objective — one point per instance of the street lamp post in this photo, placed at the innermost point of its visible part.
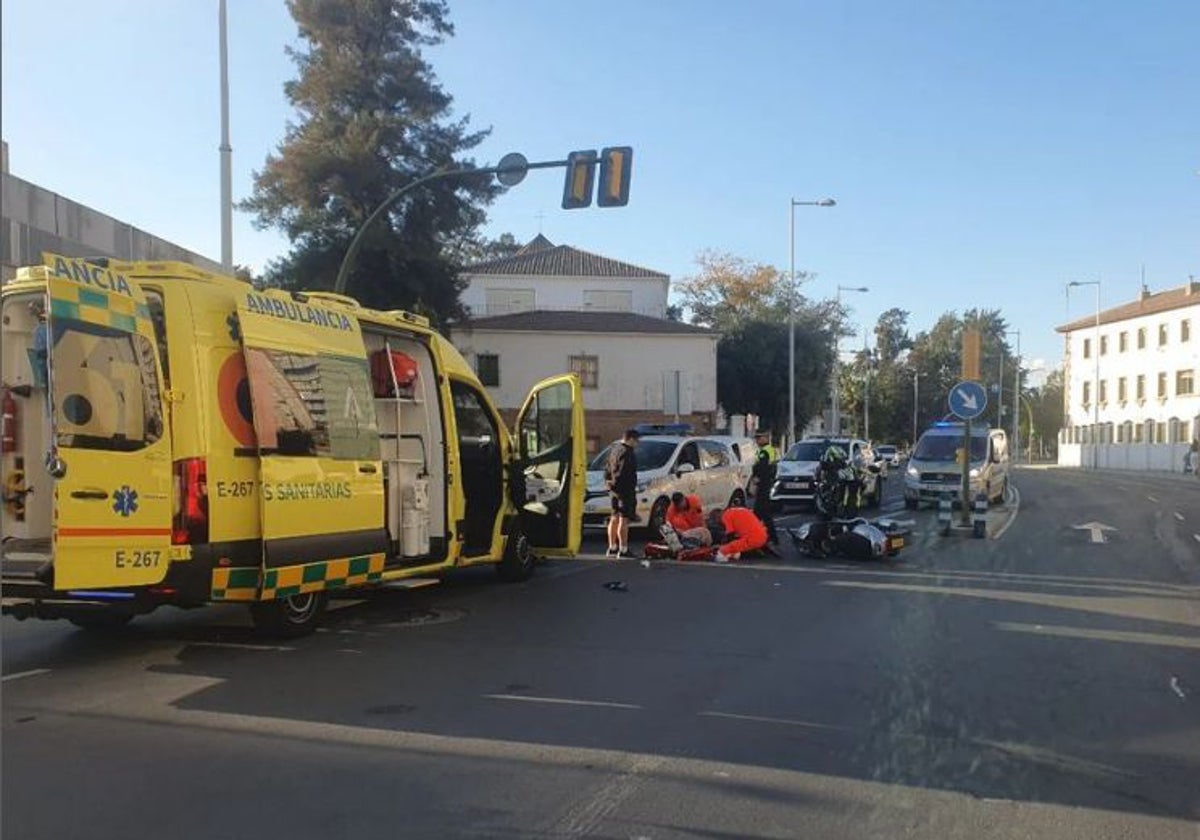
(1096, 356)
(1016, 445)
(916, 396)
(824, 202)
(835, 401)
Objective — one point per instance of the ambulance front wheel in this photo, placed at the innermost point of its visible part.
(288, 618)
(517, 563)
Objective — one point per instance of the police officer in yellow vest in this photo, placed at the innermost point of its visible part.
(763, 439)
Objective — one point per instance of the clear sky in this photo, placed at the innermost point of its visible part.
(982, 153)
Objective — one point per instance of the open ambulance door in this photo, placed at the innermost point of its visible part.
(111, 454)
(322, 499)
(548, 479)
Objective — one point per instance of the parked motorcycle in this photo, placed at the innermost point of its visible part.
(838, 492)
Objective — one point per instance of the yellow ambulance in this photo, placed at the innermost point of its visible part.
(171, 436)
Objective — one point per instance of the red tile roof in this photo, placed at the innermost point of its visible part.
(542, 258)
(1184, 296)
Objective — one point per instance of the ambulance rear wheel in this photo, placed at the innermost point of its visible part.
(518, 561)
(291, 617)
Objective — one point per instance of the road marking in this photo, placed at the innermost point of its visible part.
(1179, 516)
(1016, 507)
(1152, 498)
(785, 721)
(561, 701)
(1127, 636)
(238, 646)
(585, 815)
(22, 674)
(1096, 529)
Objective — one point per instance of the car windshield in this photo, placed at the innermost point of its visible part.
(651, 455)
(885, 450)
(806, 451)
(945, 448)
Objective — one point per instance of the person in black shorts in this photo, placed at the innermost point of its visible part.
(620, 473)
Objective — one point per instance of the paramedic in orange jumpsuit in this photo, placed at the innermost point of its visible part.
(686, 515)
(747, 530)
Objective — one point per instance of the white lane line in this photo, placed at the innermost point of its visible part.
(1016, 508)
(238, 646)
(1179, 516)
(561, 701)
(785, 721)
(22, 674)
(1175, 687)
(1152, 498)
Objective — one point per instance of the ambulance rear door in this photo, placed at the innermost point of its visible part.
(111, 456)
(322, 498)
(549, 467)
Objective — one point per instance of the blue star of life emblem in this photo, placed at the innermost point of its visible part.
(125, 501)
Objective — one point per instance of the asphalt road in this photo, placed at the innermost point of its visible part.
(1031, 685)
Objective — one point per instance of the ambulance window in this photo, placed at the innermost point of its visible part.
(308, 405)
(158, 317)
(105, 388)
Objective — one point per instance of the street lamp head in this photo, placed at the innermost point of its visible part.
(826, 202)
(853, 289)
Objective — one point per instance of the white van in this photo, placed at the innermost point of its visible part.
(933, 469)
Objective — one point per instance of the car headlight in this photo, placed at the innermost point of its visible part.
(913, 472)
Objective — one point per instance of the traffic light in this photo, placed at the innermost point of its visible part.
(616, 163)
(581, 174)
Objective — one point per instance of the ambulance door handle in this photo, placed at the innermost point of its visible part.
(89, 494)
(369, 469)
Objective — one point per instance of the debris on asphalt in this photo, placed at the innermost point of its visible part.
(645, 564)
(616, 586)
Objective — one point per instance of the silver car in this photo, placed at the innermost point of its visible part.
(795, 474)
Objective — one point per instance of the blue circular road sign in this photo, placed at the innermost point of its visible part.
(967, 400)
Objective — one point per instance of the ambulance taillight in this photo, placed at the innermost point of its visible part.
(190, 524)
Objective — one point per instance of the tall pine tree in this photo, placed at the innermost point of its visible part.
(372, 118)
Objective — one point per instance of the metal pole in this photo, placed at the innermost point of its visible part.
(792, 324)
(866, 389)
(1096, 401)
(1016, 400)
(835, 419)
(916, 375)
(226, 155)
(1000, 391)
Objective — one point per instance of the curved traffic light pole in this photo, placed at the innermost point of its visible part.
(513, 166)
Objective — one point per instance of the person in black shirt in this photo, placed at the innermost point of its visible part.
(763, 478)
(620, 473)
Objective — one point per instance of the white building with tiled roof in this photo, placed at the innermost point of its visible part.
(553, 308)
(543, 275)
(1144, 391)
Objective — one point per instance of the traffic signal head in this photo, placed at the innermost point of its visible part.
(581, 174)
(616, 163)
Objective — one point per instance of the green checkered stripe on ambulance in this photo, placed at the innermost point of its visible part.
(327, 574)
(95, 307)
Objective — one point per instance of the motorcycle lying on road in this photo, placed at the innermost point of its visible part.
(854, 539)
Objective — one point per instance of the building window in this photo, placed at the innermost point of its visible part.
(1141, 387)
(1138, 431)
(1141, 338)
(608, 300)
(1160, 432)
(1185, 330)
(1087, 393)
(1087, 348)
(1103, 392)
(1103, 345)
(587, 368)
(1122, 390)
(1162, 335)
(487, 366)
(1185, 384)
(508, 301)
(1123, 342)
(1162, 386)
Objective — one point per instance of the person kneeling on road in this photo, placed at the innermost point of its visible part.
(743, 532)
(685, 515)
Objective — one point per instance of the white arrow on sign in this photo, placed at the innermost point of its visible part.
(1097, 529)
(968, 400)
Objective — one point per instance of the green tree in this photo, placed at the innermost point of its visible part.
(371, 118)
(1045, 404)
(479, 249)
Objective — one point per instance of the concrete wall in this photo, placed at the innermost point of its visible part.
(567, 293)
(33, 220)
(1153, 457)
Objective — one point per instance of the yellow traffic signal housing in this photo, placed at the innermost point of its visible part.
(581, 174)
(616, 165)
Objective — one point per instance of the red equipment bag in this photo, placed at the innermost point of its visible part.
(403, 367)
(662, 551)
